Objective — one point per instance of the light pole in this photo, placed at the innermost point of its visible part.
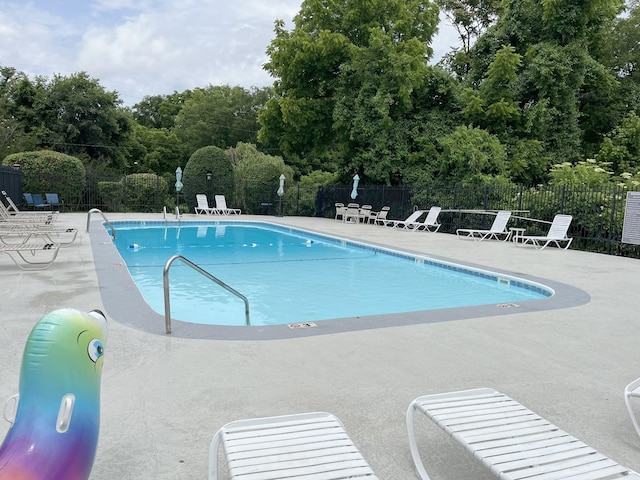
(209, 177)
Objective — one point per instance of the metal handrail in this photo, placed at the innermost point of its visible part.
(165, 278)
(97, 210)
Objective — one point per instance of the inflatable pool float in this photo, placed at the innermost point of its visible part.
(54, 432)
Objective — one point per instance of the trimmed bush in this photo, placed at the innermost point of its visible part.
(205, 160)
(46, 171)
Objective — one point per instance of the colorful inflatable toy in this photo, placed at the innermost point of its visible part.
(54, 434)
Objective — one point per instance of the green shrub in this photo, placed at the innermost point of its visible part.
(205, 160)
(112, 195)
(258, 177)
(46, 171)
(144, 192)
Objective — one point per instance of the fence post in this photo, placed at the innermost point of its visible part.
(520, 198)
(612, 218)
(564, 189)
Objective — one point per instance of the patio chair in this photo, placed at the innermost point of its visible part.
(29, 199)
(222, 209)
(379, 218)
(340, 210)
(509, 439)
(352, 214)
(498, 230)
(430, 223)
(13, 210)
(203, 205)
(364, 213)
(411, 219)
(27, 256)
(632, 390)
(53, 200)
(557, 234)
(299, 446)
(38, 201)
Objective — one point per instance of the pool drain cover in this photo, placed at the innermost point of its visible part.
(302, 325)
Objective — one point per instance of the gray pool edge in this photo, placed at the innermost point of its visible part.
(124, 303)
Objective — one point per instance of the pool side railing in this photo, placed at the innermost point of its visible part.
(167, 300)
(97, 210)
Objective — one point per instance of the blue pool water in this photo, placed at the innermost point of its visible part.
(292, 276)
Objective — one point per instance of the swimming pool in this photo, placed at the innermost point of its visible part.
(293, 277)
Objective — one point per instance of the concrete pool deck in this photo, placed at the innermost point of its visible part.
(163, 396)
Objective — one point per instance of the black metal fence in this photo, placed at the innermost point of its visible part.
(598, 214)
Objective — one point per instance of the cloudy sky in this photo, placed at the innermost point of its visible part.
(149, 47)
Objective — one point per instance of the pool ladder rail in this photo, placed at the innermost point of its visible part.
(167, 301)
(97, 210)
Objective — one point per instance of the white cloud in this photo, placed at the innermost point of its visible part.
(148, 47)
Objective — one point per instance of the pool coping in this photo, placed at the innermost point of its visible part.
(124, 302)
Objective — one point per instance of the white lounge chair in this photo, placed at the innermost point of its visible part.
(410, 220)
(14, 215)
(17, 233)
(498, 230)
(557, 234)
(379, 218)
(222, 209)
(632, 390)
(509, 439)
(203, 205)
(340, 210)
(30, 254)
(300, 446)
(430, 223)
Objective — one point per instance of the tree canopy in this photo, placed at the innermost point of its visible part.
(532, 87)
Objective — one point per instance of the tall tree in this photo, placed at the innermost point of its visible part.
(220, 116)
(560, 89)
(345, 80)
(160, 111)
(77, 116)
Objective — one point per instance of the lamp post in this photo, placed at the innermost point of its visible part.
(280, 191)
(209, 177)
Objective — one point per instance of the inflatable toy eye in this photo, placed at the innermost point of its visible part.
(95, 350)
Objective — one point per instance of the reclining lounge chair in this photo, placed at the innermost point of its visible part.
(430, 223)
(300, 446)
(222, 209)
(498, 230)
(410, 220)
(557, 234)
(203, 205)
(31, 256)
(509, 439)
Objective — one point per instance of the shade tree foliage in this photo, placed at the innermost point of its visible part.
(534, 84)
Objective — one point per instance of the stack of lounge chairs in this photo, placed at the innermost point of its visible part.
(31, 239)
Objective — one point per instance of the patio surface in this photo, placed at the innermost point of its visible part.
(164, 396)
